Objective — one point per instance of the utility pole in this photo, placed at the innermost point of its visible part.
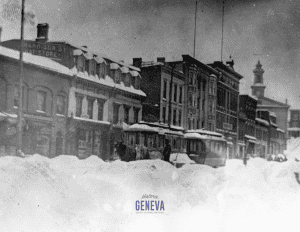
(194, 54)
(21, 77)
(222, 30)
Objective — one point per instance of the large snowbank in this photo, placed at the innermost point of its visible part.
(68, 194)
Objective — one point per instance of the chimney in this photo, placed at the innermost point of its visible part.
(0, 33)
(137, 62)
(230, 63)
(42, 32)
(161, 60)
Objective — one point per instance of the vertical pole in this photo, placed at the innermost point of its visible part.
(20, 108)
(222, 30)
(170, 95)
(194, 54)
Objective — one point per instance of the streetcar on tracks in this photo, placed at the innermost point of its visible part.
(206, 147)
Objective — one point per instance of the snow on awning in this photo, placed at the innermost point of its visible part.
(252, 141)
(114, 66)
(262, 121)
(124, 70)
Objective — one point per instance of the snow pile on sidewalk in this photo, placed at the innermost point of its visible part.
(68, 194)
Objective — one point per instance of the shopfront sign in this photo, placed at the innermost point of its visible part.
(50, 50)
(227, 126)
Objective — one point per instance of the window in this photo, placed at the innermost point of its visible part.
(179, 118)
(60, 104)
(80, 64)
(90, 108)
(136, 115)
(174, 117)
(102, 70)
(211, 87)
(132, 80)
(87, 63)
(16, 96)
(165, 89)
(117, 76)
(116, 114)
(78, 106)
(175, 93)
(41, 101)
(164, 115)
(100, 109)
(295, 116)
(180, 94)
(126, 114)
(93, 68)
(137, 83)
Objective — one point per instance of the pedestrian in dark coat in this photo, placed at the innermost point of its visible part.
(167, 151)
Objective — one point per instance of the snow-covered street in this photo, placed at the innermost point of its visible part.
(67, 194)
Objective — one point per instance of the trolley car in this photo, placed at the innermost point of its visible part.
(206, 147)
(153, 136)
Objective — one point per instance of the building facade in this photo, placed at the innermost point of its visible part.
(164, 85)
(247, 106)
(45, 104)
(279, 109)
(227, 104)
(201, 92)
(104, 96)
(262, 133)
(294, 124)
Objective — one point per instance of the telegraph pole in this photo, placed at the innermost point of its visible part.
(170, 95)
(21, 77)
(222, 30)
(194, 54)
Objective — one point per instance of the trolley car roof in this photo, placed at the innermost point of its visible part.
(198, 136)
(145, 128)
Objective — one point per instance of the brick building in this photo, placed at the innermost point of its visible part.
(247, 108)
(227, 104)
(45, 104)
(201, 92)
(262, 133)
(163, 83)
(294, 125)
(103, 98)
(280, 109)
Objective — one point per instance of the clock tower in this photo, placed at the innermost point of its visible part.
(258, 87)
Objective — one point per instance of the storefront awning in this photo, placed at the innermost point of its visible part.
(252, 141)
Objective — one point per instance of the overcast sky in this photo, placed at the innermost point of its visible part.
(124, 29)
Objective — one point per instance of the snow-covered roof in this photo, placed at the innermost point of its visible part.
(193, 135)
(262, 121)
(272, 114)
(280, 130)
(39, 61)
(124, 69)
(107, 81)
(114, 66)
(159, 130)
(134, 73)
(91, 120)
(88, 56)
(206, 132)
(294, 129)
(250, 137)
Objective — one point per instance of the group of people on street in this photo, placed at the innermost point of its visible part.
(140, 152)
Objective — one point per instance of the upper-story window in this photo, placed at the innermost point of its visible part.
(93, 67)
(101, 103)
(80, 64)
(60, 104)
(90, 108)
(126, 114)
(102, 70)
(41, 101)
(117, 76)
(180, 94)
(165, 89)
(87, 66)
(137, 83)
(126, 79)
(175, 93)
(295, 116)
(78, 106)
